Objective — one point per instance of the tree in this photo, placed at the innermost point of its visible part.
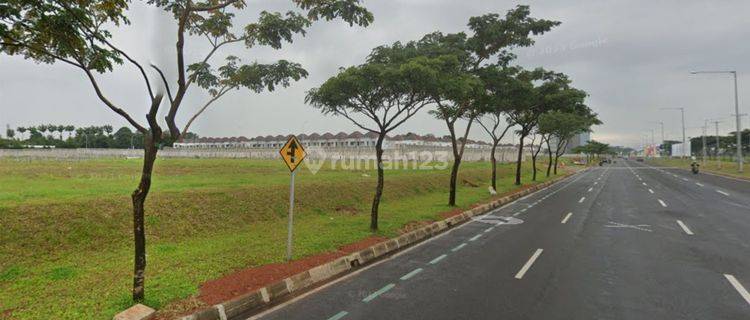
(534, 150)
(459, 96)
(561, 126)
(123, 138)
(386, 91)
(496, 102)
(22, 130)
(78, 34)
(533, 94)
(10, 133)
(70, 129)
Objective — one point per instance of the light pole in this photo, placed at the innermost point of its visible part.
(740, 160)
(684, 141)
(661, 144)
(705, 152)
(718, 159)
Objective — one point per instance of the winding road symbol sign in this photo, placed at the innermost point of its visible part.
(292, 153)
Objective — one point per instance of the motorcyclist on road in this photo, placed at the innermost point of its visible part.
(694, 166)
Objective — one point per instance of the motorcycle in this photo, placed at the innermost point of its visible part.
(694, 167)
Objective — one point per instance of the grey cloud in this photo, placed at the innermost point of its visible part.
(631, 56)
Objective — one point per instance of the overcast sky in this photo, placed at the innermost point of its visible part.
(633, 57)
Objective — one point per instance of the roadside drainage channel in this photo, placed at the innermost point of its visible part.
(282, 290)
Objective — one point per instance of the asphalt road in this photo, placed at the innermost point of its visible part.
(623, 241)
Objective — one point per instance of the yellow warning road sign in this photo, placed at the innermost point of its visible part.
(293, 153)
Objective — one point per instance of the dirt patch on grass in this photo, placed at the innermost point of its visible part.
(251, 279)
(347, 209)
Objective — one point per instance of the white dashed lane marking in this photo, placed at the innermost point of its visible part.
(528, 264)
(738, 286)
(567, 216)
(685, 228)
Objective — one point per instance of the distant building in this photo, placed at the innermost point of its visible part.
(578, 140)
(339, 140)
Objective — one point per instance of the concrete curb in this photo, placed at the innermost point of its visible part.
(276, 292)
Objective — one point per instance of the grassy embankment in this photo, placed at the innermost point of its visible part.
(725, 167)
(66, 248)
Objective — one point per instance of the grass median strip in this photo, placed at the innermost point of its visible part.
(376, 294)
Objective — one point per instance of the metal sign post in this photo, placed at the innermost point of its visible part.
(291, 220)
(292, 153)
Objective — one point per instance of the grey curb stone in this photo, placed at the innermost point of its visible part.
(275, 292)
(136, 312)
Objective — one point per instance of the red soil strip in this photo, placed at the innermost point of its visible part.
(248, 280)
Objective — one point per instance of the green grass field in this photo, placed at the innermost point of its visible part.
(66, 240)
(725, 167)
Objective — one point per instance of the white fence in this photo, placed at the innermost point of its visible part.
(402, 153)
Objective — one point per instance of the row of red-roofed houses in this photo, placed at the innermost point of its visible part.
(355, 139)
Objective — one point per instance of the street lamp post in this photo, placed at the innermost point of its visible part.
(718, 159)
(740, 159)
(705, 152)
(661, 144)
(684, 141)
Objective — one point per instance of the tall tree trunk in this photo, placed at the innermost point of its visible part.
(560, 147)
(549, 163)
(151, 138)
(454, 167)
(520, 158)
(379, 188)
(139, 233)
(458, 153)
(493, 159)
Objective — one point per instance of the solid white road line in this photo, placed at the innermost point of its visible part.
(685, 228)
(738, 286)
(651, 191)
(528, 264)
(564, 220)
(699, 184)
(582, 199)
(722, 192)
(662, 203)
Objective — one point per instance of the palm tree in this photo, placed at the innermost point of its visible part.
(70, 129)
(60, 129)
